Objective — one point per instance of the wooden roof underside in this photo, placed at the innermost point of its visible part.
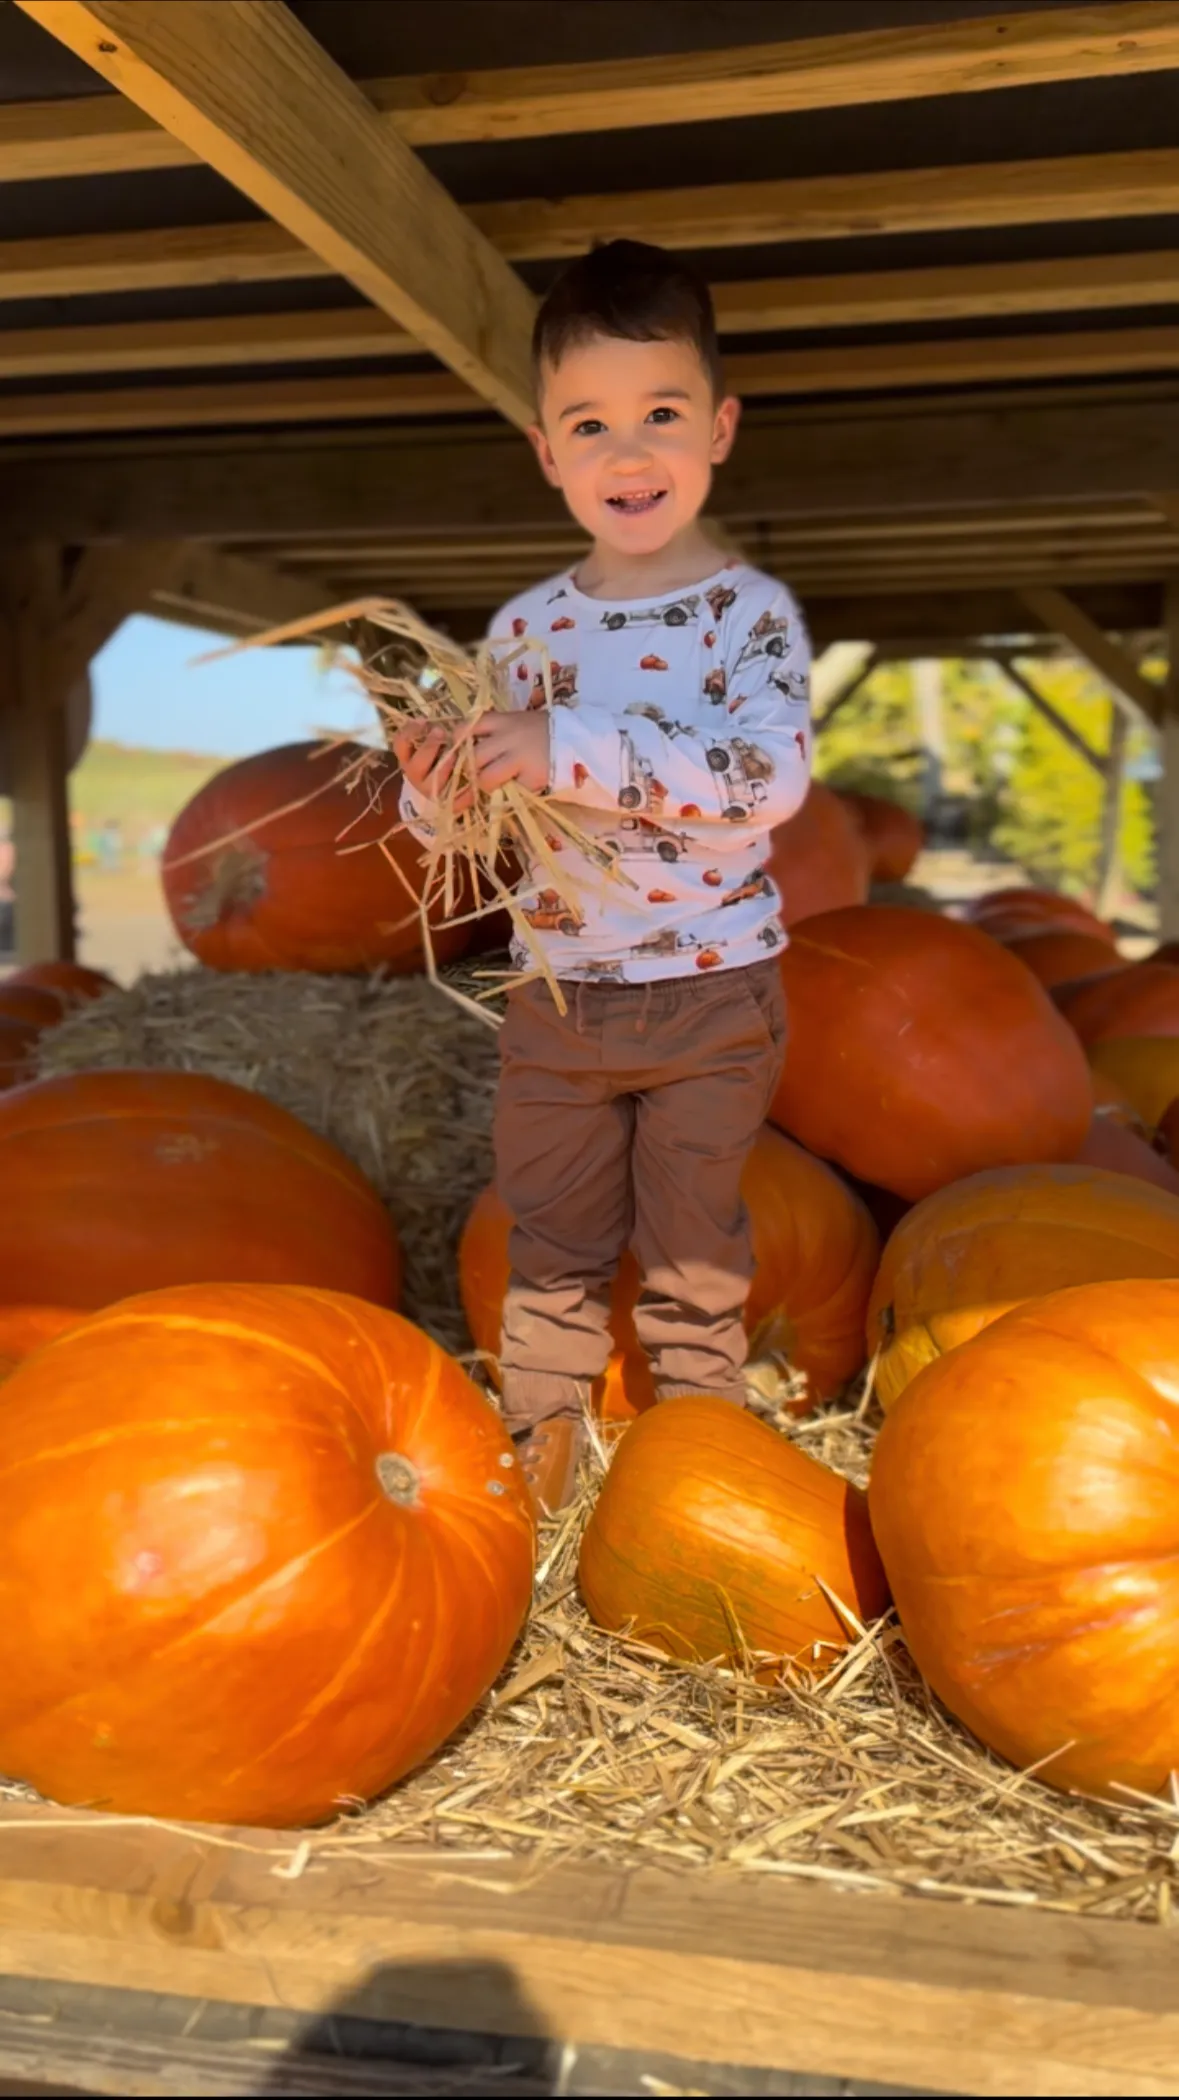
(291, 318)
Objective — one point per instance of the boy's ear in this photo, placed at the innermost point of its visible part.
(544, 453)
(724, 428)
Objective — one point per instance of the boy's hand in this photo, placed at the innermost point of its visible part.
(512, 747)
(424, 753)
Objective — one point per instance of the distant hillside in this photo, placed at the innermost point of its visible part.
(139, 790)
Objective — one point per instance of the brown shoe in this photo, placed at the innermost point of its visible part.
(549, 1452)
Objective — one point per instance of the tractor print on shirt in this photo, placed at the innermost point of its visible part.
(719, 599)
(639, 787)
(756, 884)
(637, 836)
(669, 942)
(766, 637)
(599, 972)
(677, 614)
(716, 685)
(741, 771)
(549, 913)
(794, 687)
(562, 679)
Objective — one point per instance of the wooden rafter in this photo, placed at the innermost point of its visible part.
(103, 136)
(251, 92)
(352, 398)
(809, 465)
(1017, 676)
(1058, 612)
(760, 305)
(1090, 187)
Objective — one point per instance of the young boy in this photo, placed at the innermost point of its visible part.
(678, 737)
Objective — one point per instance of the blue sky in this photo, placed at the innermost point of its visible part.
(149, 692)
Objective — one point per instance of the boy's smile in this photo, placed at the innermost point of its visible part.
(630, 433)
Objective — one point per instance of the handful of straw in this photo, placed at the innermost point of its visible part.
(428, 680)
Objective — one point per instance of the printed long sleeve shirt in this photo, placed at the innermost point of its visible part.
(680, 736)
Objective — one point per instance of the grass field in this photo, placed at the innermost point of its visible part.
(122, 803)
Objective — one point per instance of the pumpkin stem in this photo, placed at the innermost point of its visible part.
(235, 882)
(397, 1478)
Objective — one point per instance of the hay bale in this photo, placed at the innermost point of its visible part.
(395, 1073)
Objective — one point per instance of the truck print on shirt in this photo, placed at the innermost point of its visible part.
(676, 777)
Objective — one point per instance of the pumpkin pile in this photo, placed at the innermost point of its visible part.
(34, 999)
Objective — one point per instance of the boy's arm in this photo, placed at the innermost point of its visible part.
(757, 757)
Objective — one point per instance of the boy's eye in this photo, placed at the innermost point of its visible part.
(664, 415)
(590, 426)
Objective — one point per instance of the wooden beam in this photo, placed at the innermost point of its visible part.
(751, 1970)
(846, 691)
(1107, 873)
(347, 397)
(33, 696)
(1077, 744)
(161, 259)
(101, 136)
(1097, 649)
(218, 339)
(232, 594)
(948, 292)
(787, 466)
(1091, 187)
(1167, 792)
(758, 306)
(248, 89)
(1096, 186)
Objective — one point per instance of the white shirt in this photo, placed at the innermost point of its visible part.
(680, 738)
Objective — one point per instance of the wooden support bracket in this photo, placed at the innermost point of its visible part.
(1072, 737)
(1060, 614)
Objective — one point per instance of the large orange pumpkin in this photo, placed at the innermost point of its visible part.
(819, 859)
(264, 1549)
(968, 1254)
(1145, 1067)
(1142, 999)
(713, 1535)
(1025, 1499)
(920, 1051)
(816, 1250)
(275, 865)
(69, 980)
(1061, 956)
(894, 835)
(25, 1328)
(25, 1013)
(1007, 914)
(127, 1181)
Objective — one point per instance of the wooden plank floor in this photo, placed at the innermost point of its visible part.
(714, 1968)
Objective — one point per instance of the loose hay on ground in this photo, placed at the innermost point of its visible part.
(592, 1748)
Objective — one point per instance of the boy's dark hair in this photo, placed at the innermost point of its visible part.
(629, 289)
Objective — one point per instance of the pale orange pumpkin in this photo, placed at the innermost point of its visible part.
(26, 1328)
(713, 1536)
(264, 1549)
(70, 981)
(965, 1256)
(1146, 1068)
(920, 1051)
(1025, 1500)
(1007, 914)
(816, 1250)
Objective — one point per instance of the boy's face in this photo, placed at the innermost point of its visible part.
(630, 433)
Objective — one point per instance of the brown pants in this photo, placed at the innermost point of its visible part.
(628, 1122)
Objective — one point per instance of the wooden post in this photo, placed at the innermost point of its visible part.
(1107, 874)
(927, 699)
(1167, 801)
(32, 713)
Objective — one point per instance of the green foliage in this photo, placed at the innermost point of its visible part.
(1031, 797)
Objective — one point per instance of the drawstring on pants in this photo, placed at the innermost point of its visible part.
(641, 1023)
(578, 1009)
